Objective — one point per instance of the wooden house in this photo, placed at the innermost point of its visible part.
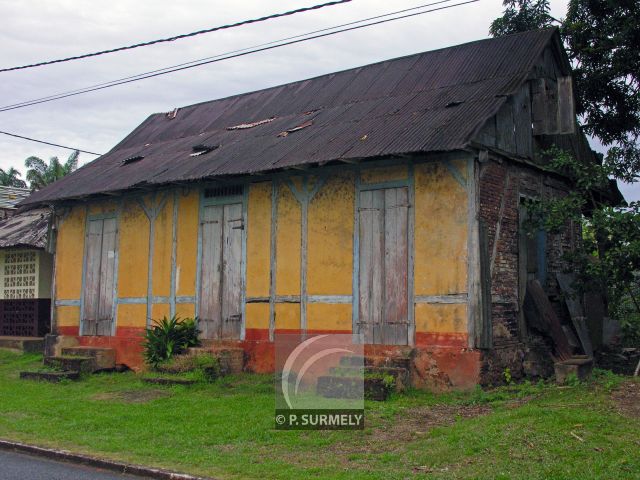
(385, 200)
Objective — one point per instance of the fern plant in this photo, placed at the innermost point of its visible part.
(169, 337)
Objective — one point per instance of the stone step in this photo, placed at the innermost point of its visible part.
(352, 387)
(50, 376)
(580, 365)
(74, 363)
(231, 358)
(377, 361)
(105, 358)
(23, 344)
(400, 375)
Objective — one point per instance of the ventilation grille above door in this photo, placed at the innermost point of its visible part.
(228, 191)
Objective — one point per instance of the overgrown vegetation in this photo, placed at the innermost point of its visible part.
(169, 337)
(225, 429)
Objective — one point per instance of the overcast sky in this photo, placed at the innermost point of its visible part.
(42, 30)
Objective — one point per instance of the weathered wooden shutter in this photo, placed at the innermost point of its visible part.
(220, 302)
(232, 272)
(99, 277)
(371, 216)
(210, 278)
(107, 277)
(383, 260)
(484, 328)
(396, 324)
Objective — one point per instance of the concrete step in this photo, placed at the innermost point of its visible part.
(54, 377)
(400, 375)
(74, 363)
(579, 365)
(105, 358)
(23, 344)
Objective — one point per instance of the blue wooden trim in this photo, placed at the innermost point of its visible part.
(84, 269)
(199, 253)
(243, 279)
(102, 216)
(272, 257)
(451, 298)
(355, 330)
(174, 247)
(456, 173)
(152, 232)
(411, 215)
(131, 301)
(185, 299)
(114, 307)
(332, 299)
(67, 303)
(160, 299)
(381, 185)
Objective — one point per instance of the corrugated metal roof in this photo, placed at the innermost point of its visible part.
(11, 196)
(433, 101)
(25, 229)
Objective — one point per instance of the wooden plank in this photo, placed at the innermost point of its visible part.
(107, 277)
(395, 319)
(505, 135)
(371, 263)
(92, 277)
(566, 107)
(541, 316)
(232, 272)
(209, 316)
(538, 106)
(484, 329)
(572, 300)
(522, 122)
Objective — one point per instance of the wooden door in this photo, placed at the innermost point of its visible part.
(383, 260)
(99, 277)
(220, 301)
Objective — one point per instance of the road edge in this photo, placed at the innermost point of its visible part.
(82, 459)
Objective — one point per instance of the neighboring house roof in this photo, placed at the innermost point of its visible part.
(433, 101)
(11, 196)
(25, 229)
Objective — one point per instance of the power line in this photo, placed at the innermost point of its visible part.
(49, 143)
(117, 81)
(178, 37)
(225, 56)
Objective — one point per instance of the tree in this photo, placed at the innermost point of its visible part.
(521, 16)
(39, 174)
(10, 178)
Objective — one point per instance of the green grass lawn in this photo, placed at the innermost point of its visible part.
(225, 429)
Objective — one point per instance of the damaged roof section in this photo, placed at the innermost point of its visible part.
(11, 196)
(433, 101)
(25, 229)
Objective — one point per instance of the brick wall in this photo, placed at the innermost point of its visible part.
(502, 183)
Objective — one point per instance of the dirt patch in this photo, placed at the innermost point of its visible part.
(132, 396)
(627, 399)
(411, 424)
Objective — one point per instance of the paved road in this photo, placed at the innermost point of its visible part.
(17, 466)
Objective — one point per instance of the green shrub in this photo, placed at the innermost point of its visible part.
(169, 337)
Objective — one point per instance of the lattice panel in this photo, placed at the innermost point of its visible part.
(19, 318)
(20, 274)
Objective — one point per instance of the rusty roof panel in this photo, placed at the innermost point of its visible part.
(432, 101)
(26, 229)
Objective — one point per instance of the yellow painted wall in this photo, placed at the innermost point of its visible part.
(132, 315)
(322, 316)
(162, 246)
(160, 310)
(69, 255)
(133, 252)
(440, 251)
(440, 230)
(330, 238)
(257, 315)
(185, 310)
(259, 239)
(288, 243)
(441, 318)
(187, 247)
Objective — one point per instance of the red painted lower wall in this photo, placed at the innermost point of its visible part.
(440, 361)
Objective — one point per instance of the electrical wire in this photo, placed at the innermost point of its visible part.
(49, 143)
(116, 81)
(225, 56)
(178, 37)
